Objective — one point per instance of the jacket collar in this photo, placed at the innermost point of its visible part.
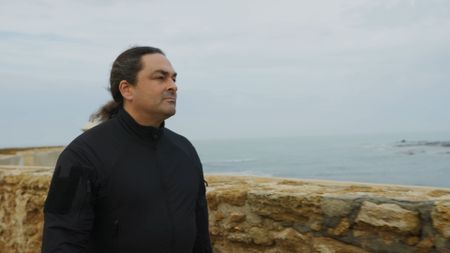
(143, 132)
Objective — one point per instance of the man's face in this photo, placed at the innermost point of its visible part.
(155, 91)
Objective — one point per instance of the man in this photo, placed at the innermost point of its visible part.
(130, 184)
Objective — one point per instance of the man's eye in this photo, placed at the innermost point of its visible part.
(174, 80)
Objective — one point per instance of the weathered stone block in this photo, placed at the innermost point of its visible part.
(290, 240)
(239, 237)
(341, 228)
(441, 218)
(287, 207)
(390, 216)
(327, 245)
(260, 236)
(232, 196)
(237, 217)
(424, 246)
(336, 207)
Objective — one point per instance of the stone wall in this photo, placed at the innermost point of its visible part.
(37, 156)
(283, 215)
(249, 214)
(22, 194)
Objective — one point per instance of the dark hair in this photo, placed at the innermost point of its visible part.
(125, 67)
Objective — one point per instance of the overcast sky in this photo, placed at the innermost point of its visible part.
(246, 68)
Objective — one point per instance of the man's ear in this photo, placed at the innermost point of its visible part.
(126, 89)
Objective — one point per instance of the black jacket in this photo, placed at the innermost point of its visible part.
(123, 187)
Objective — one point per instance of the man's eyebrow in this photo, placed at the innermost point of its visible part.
(165, 72)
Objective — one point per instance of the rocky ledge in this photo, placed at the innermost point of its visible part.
(250, 214)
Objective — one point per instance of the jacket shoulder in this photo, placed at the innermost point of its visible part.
(177, 139)
(88, 145)
(184, 144)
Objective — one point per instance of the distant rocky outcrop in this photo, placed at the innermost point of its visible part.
(404, 143)
(422, 147)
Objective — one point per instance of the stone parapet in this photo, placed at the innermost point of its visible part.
(37, 156)
(251, 214)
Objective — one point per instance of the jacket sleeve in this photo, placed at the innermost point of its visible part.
(68, 210)
(202, 241)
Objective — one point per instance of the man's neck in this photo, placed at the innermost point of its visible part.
(143, 119)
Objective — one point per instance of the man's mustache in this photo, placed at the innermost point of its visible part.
(170, 95)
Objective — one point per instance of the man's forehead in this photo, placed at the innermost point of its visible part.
(157, 63)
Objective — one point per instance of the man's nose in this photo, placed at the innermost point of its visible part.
(172, 85)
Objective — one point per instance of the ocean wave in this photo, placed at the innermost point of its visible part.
(228, 162)
(242, 173)
(377, 147)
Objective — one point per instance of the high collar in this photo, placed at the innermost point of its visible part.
(143, 132)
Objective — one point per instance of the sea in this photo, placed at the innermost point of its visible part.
(420, 159)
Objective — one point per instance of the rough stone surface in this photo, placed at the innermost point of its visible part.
(389, 216)
(270, 215)
(21, 196)
(441, 218)
(327, 245)
(336, 207)
(341, 228)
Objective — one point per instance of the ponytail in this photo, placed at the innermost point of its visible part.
(106, 112)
